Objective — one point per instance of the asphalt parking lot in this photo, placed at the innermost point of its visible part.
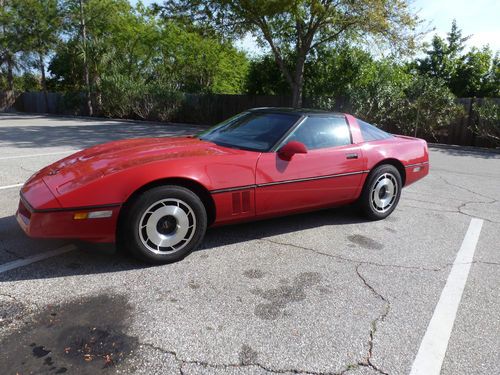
(319, 293)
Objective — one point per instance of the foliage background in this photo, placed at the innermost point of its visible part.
(143, 63)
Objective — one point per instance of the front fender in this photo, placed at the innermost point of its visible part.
(116, 188)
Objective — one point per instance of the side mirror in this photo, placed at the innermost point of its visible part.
(291, 148)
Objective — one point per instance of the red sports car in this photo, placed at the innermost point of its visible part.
(157, 196)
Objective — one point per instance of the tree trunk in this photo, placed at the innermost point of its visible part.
(298, 81)
(86, 77)
(296, 95)
(10, 74)
(96, 83)
(44, 81)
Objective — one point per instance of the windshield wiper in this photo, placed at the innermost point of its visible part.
(229, 145)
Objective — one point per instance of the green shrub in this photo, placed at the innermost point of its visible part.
(429, 106)
(487, 120)
(123, 97)
(412, 105)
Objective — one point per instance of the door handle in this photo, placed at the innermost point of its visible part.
(352, 155)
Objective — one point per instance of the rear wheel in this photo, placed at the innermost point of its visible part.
(381, 192)
(164, 224)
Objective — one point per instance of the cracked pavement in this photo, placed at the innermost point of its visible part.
(318, 293)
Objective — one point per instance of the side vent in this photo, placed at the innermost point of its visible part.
(241, 202)
(236, 203)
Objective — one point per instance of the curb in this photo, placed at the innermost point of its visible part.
(465, 148)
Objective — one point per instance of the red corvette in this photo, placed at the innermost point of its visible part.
(157, 196)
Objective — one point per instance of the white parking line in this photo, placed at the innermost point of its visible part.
(35, 155)
(433, 347)
(35, 258)
(10, 186)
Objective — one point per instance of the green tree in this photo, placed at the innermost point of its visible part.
(379, 94)
(492, 85)
(471, 74)
(131, 49)
(200, 64)
(76, 23)
(94, 29)
(66, 67)
(9, 45)
(475, 74)
(134, 59)
(335, 72)
(37, 26)
(266, 78)
(296, 27)
(443, 57)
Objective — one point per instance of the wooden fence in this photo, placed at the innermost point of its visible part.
(211, 109)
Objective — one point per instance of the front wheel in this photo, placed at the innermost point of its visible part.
(164, 224)
(381, 192)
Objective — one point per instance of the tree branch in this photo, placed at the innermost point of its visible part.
(333, 36)
(262, 24)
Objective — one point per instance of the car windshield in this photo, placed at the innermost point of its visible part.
(252, 131)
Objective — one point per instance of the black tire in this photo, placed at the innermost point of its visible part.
(157, 218)
(384, 175)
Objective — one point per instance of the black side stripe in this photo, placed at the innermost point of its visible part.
(286, 182)
(233, 189)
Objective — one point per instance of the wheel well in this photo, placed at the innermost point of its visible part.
(396, 163)
(194, 186)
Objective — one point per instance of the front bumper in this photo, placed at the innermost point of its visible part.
(60, 222)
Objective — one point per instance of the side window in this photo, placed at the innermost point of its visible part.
(371, 133)
(322, 132)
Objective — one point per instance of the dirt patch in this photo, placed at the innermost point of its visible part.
(247, 355)
(193, 285)
(366, 242)
(81, 337)
(254, 274)
(278, 298)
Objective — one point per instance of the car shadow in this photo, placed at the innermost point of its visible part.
(104, 258)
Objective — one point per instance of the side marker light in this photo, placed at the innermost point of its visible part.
(92, 215)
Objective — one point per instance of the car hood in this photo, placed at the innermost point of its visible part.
(96, 162)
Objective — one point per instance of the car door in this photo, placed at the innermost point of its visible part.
(329, 173)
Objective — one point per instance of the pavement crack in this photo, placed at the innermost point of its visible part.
(440, 210)
(350, 260)
(367, 361)
(493, 200)
(484, 262)
(182, 362)
(373, 326)
(461, 207)
(477, 262)
(458, 210)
